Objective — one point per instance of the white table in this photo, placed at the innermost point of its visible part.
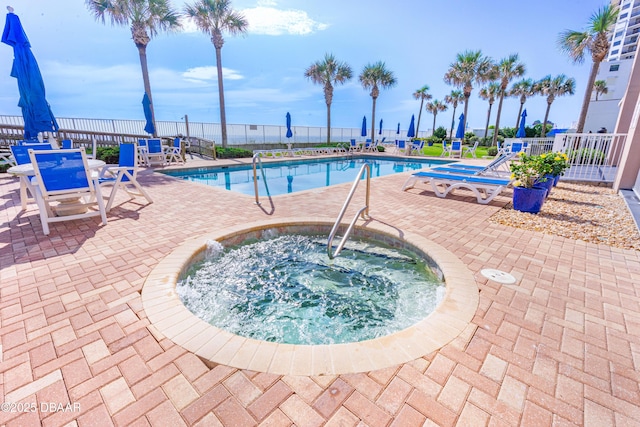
(25, 171)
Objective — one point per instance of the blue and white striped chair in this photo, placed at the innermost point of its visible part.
(123, 175)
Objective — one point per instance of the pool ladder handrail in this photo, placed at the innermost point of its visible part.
(257, 159)
(363, 212)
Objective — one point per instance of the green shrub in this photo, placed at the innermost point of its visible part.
(232, 153)
(492, 151)
(586, 156)
(380, 148)
(110, 155)
(433, 139)
(440, 132)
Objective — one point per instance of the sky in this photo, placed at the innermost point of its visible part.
(92, 70)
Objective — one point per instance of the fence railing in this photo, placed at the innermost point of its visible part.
(593, 156)
(237, 134)
(537, 146)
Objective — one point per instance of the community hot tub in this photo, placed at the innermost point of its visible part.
(214, 345)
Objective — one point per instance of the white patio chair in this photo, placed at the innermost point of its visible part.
(64, 187)
(123, 175)
(471, 150)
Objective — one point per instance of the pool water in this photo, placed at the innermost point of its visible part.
(291, 176)
(286, 290)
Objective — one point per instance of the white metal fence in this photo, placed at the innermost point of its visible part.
(593, 156)
(237, 134)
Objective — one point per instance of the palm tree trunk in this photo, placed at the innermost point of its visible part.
(453, 121)
(466, 106)
(519, 114)
(373, 119)
(543, 132)
(495, 131)
(142, 52)
(223, 115)
(434, 123)
(587, 96)
(328, 123)
(419, 115)
(486, 126)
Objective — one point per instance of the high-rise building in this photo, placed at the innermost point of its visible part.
(624, 40)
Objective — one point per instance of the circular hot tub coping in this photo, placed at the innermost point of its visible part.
(216, 346)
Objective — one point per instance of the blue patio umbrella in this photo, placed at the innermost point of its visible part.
(521, 132)
(412, 128)
(289, 133)
(363, 132)
(398, 131)
(35, 108)
(380, 131)
(146, 106)
(460, 129)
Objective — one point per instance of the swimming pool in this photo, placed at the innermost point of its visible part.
(298, 175)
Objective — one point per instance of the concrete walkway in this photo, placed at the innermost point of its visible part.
(559, 347)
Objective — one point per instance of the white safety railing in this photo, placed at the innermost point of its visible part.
(593, 156)
(237, 134)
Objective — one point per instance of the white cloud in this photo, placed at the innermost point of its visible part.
(202, 74)
(266, 19)
(275, 22)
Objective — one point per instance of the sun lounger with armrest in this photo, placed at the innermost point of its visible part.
(484, 188)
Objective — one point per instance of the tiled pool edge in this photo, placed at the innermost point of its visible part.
(172, 319)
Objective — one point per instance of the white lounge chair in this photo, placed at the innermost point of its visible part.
(485, 189)
(64, 187)
(497, 167)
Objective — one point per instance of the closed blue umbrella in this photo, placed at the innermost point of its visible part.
(412, 128)
(380, 131)
(460, 129)
(289, 133)
(398, 131)
(146, 106)
(363, 132)
(35, 108)
(521, 131)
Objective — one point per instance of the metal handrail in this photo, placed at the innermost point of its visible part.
(257, 159)
(364, 212)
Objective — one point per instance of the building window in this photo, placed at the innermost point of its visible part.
(616, 43)
(624, 15)
(625, 6)
(618, 34)
(614, 67)
(613, 52)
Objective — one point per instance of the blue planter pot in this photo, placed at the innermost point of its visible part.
(556, 179)
(548, 184)
(528, 199)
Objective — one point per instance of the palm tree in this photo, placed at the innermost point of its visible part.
(454, 98)
(524, 89)
(489, 93)
(213, 17)
(600, 87)
(422, 95)
(552, 87)
(146, 18)
(470, 68)
(374, 77)
(327, 73)
(593, 40)
(434, 108)
(508, 68)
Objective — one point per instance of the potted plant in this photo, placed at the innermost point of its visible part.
(558, 163)
(528, 173)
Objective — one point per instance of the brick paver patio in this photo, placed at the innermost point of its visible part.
(559, 347)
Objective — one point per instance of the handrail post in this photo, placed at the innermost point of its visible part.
(363, 212)
(257, 159)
